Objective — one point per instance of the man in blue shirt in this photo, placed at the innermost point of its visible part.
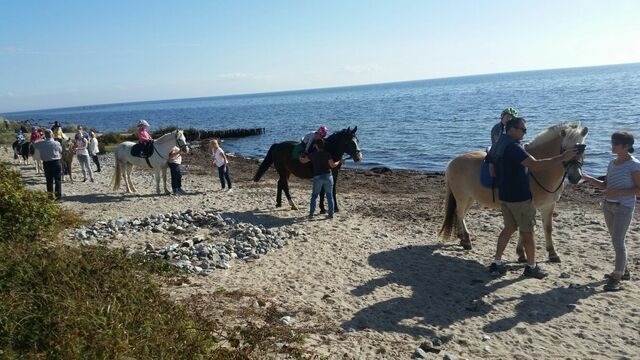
(513, 163)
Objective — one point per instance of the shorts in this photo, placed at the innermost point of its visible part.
(519, 215)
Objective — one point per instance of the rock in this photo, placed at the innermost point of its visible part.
(419, 354)
(286, 320)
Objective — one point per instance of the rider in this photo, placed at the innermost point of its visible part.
(311, 137)
(35, 135)
(58, 134)
(499, 128)
(144, 137)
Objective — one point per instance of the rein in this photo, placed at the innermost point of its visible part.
(564, 175)
(155, 149)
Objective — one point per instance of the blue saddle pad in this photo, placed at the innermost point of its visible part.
(485, 179)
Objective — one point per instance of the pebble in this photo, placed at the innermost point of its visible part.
(228, 238)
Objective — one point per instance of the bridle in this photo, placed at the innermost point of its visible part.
(578, 163)
(181, 146)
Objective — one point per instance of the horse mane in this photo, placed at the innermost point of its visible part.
(553, 132)
(164, 137)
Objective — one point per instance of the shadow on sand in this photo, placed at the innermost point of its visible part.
(543, 307)
(445, 290)
(265, 218)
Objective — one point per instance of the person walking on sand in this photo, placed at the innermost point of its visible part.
(620, 189)
(175, 161)
(322, 163)
(94, 150)
(51, 153)
(518, 212)
(219, 159)
(82, 154)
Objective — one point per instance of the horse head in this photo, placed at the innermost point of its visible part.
(345, 141)
(181, 140)
(573, 134)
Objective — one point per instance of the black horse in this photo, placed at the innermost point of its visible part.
(280, 155)
(22, 149)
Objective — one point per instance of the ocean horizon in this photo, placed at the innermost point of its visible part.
(418, 124)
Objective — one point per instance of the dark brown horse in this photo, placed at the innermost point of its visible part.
(280, 155)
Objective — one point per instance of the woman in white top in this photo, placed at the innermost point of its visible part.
(83, 154)
(219, 159)
(620, 188)
(93, 149)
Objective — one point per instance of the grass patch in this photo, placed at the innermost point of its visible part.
(65, 302)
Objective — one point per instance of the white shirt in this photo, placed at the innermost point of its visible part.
(218, 156)
(93, 146)
(177, 157)
(81, 147)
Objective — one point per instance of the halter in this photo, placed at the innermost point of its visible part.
(565, 165)
(181, 146)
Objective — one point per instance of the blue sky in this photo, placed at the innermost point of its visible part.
(66, 53)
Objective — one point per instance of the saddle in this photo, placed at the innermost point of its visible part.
(144, 150)
(297, 150)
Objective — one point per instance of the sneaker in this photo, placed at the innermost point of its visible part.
(626, 276)
(182, 192)
(535, 272)
(613, 285)
(497, 270)
(230, 190)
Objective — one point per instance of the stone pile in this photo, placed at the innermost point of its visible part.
(195, 252)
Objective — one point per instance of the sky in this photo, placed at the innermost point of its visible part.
(68, 53)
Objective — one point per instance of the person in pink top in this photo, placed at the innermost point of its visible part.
(35, 135)
(143, 134)
(144, 137)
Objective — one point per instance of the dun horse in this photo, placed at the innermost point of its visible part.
(463, 183)
(337, 144)
(158, 160)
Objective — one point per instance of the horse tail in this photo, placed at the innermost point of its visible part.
(264, 165)
(116, 176)
(450, 217)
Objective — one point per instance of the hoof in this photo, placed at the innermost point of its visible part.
(522, 259)
(293, 207)
(278, 205)
(554, 259)
(465, 245)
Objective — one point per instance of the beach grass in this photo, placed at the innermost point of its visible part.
(71, 302)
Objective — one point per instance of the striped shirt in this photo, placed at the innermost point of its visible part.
(620, 177)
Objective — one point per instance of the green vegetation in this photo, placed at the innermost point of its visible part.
(65, 302)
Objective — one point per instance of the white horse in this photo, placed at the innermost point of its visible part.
(158, 160)
(37, 159)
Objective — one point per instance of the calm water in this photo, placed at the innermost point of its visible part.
(417, 125)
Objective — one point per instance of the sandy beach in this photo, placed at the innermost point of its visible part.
(376, 282)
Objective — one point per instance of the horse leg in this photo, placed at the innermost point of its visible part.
(279, 193)
(547, 225)
(288, 195)
(463, 232)
(157, 181)
(164, 179)
(128, 168)
(522, 257)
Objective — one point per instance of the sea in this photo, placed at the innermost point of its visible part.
(417, 125)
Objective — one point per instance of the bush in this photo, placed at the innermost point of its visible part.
(64, 302)
(25, 215)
